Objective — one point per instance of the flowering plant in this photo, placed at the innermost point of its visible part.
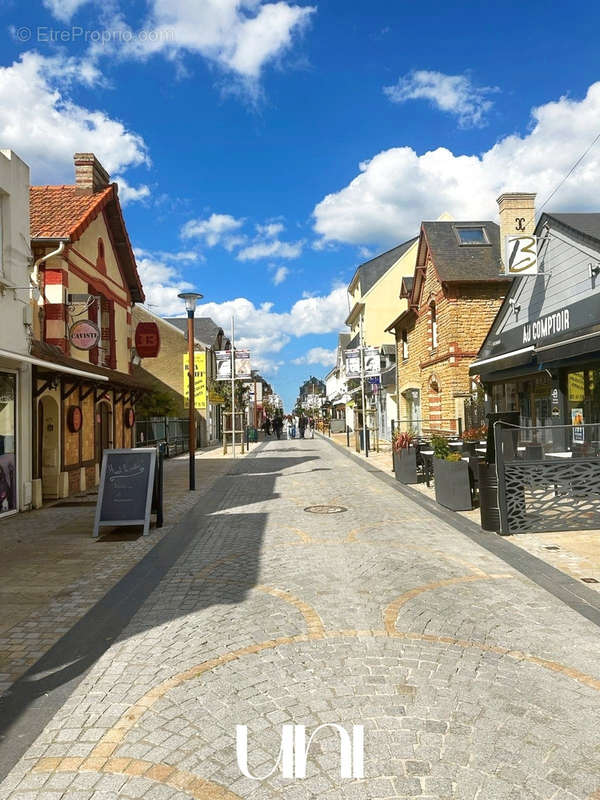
(402, 440)
(475, 434)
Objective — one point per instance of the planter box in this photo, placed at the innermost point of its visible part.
(405, 465)
(452, 484)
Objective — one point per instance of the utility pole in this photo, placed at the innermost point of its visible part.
(233, 385)
(362, 387)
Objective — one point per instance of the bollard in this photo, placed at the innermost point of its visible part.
(347, 436)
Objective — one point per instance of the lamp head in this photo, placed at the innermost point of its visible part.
(190, 299)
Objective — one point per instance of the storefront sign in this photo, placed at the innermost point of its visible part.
(200, 394)
(84, 334)
(550, 325)
(521, 255)
(216, 399)
(74, 419)
(147, 339)
(577, 422)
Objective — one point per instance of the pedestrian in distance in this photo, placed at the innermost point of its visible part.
(278, 425)
(266, 426)
(302, 425)
(311, 423)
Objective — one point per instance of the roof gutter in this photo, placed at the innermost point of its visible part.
(34, 278)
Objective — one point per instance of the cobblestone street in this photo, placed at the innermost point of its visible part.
(470, 679)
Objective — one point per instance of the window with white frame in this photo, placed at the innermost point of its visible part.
(404, 344)
(434, 326)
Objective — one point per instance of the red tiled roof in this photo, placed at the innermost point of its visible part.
(59, 212)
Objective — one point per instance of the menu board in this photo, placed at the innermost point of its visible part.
(125, 491)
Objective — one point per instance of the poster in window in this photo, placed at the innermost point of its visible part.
(577, 423)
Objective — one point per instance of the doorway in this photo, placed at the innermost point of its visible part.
(103, 429)
(48, 446)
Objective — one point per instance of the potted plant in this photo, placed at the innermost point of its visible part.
(452, 480)
(405, 457)
(472, 438)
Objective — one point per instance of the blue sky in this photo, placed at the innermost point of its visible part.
(265, 149)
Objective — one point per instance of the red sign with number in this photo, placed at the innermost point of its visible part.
(147, 339)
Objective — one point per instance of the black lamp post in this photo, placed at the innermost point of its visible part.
(190, 299)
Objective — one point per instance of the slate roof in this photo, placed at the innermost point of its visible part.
(64, 212)
(457, 263)
(588, 224)
(205, 329)
(371, 271)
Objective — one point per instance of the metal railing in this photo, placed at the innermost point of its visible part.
(425, 427)
(173, 431)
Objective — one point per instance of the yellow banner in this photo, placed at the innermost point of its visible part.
(200, 393)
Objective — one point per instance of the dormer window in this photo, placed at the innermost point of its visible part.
(470, 235)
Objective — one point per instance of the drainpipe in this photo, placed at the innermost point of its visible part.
(34, 278)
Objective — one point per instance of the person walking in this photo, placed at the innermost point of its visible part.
(311, 423)
(266, 426)
(302, 425)
(278, 425)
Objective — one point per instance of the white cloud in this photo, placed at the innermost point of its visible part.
(318, 355)
(162, 283)
(131, 194)
(280, 275)
(64, 9)
(273, 248)
(240, 36)
(45, 127)
(217, 229)
(270, 229)
(398, 188)
(455, 94)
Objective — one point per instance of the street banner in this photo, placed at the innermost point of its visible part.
(242, 364)
(521, 255)
(243, 370)
(353, 363)
(372, 361)
(223, 358)
(200, 393)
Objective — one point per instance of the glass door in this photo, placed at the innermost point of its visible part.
(8, 443)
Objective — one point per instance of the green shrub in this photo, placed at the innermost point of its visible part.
(453, 457)
(440, 446)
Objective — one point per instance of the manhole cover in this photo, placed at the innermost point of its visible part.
(325, 509)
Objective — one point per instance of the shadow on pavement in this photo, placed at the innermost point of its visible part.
(35, 697)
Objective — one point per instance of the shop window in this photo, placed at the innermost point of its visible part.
(8, 429)
(434, 326)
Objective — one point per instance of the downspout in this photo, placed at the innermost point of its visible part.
(34, 278)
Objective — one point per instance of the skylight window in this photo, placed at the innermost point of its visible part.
(475, 235)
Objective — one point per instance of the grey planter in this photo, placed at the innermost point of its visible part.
(405, 465)
(452, 484)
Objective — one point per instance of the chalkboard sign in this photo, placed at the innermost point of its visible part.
(125, 491)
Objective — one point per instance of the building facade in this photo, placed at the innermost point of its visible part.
(168, 372)
(16, 324)
(84, 392)
(542, 354)
(453, 297)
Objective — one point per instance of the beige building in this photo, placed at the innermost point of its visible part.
(167, 373)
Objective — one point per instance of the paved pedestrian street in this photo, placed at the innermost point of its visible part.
(470, 680)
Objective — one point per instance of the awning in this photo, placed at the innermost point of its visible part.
(38, 362)
(571, 348)
(516, 358)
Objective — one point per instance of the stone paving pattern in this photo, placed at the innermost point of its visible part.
(52, 571)
(471, 680)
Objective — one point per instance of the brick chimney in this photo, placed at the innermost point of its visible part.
(90, 175)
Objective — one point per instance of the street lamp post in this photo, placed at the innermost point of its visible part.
(190, 299)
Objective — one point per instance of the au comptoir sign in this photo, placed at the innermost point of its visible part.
(84, 334)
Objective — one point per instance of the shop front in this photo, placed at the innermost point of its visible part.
(9, 501)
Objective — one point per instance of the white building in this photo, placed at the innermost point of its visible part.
(15, 336)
